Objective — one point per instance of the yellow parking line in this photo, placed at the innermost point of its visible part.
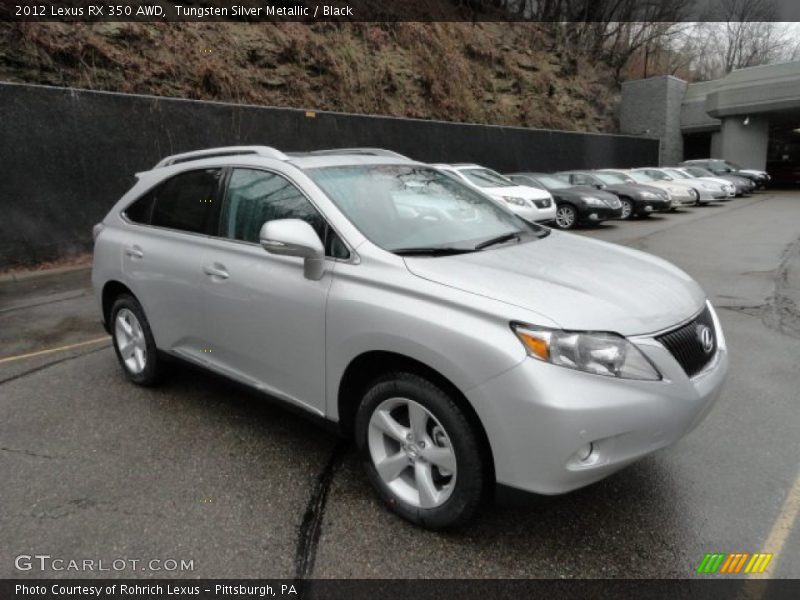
(782, 527)
(7, 359)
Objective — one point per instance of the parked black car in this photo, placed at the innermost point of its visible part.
(573, 204)
(724, 167)
(637, 199)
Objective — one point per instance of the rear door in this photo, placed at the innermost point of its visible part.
(163, 258)
(266, 321)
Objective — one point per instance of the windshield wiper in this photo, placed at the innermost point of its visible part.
(432, 251)
(498, 240)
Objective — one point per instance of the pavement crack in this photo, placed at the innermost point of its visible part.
(752, 310)
(782, 312)
(29, 453)
(50, 364)
(311, 526)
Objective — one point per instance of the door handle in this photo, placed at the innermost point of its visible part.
(134, 251)
(216, 270)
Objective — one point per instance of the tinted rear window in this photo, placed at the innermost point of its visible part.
(188, 201)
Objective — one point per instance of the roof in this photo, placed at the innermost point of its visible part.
(317, 158)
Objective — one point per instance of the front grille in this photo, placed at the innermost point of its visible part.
(542, 203)
(686, 344)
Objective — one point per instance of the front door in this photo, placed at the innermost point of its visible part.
(265, 320)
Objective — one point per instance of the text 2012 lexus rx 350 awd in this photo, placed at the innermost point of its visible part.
(460, 345)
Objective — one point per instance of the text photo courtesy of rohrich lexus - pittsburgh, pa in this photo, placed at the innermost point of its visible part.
(336, 299)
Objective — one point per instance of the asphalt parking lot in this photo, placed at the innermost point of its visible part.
(198, 469)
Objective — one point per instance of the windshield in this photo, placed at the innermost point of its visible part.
(657, 175)
(410, 207)
(698, 172)
(611, 178)
(552, 183)
(640, 177)
(486, 178)
(675, 173)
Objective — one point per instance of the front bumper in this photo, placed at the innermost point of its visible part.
(535, 214)
(538, 417)
(650, 206)
(595, 214)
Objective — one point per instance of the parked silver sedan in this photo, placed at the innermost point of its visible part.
(460, 345)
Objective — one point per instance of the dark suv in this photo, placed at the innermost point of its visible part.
(724, 167)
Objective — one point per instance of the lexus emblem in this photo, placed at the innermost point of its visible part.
(706, 338)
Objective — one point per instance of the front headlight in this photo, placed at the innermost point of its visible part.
(592, 201)
(514, 200)
(648, 196)
(606, 354)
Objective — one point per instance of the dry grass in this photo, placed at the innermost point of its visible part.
(484, 73)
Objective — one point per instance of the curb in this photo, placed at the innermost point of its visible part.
(17, 276)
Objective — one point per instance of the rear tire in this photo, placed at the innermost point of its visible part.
(133, 342)
(420, 451)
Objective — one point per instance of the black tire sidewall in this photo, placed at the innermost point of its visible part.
(150, 373)
(471, 482)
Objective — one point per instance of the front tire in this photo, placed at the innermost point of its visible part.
(133, 341)
(420, 451)
(566, 216)
(627, 209)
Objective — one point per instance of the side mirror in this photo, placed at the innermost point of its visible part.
(293, 237)
(600, 186)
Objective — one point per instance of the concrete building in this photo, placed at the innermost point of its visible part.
(750, 117)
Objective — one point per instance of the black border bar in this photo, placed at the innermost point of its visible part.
(312, 11)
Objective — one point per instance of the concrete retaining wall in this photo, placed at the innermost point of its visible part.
(68, 155)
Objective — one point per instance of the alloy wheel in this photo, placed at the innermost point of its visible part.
(130, 340)
(627, 209)
(565, 217)
(412, 453)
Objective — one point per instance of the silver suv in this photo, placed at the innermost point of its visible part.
(460, 345)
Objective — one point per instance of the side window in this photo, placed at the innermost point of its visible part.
(580, 179)
(141, 211)
(255, 197)
(187, 201)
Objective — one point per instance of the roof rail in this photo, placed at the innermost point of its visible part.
(367, 151)
(266, 151)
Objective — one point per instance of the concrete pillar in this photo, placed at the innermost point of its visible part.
(716, 145)
(745, 144)
(652, 107)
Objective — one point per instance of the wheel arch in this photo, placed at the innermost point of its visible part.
(366, 367)
(112, 290)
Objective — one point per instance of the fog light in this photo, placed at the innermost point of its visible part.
(585, 452)
(593, 217)
(648, 208)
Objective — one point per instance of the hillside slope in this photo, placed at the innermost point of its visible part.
(483, 73)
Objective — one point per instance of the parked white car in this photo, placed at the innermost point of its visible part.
(728, 187)
(681, 194)
(532, 204)
(707, 189)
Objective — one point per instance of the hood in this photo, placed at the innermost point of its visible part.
(755, 172)
(579, 283)
(673, 187)
(517, 191)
